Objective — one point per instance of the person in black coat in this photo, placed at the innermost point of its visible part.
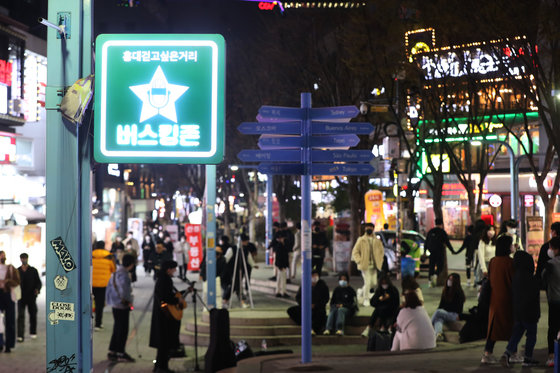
(343, 306)
(543, 253)
(159, 256)
(436, 241)
(281, 262)
(526, 308)
(319, 300)
(164, 330)
(30, 283)
(319, 246)
(386, 302)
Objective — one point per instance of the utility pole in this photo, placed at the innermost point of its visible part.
(68, 251)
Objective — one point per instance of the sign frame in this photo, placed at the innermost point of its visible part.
(212, 151)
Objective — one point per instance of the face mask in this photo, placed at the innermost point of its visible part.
(369, 231)
(343, 283)
(550, 253)
(385, 286)
(511, 231)
(449, 283)
(491, 234)
(3, 260)
(314, 279)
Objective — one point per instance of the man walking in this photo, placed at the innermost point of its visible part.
(368, 253)
(30, 288)
(119, 296)
(436, 240)
(9, 280)
(103, 266)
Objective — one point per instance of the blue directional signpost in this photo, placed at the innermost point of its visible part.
(307, 141)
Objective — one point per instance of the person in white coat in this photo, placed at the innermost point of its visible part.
(368, 253)
(486, 250)
(414, 328)
(181, 251)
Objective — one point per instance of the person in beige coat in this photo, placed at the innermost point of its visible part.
(368, 253)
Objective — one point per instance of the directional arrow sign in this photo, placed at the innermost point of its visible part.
(279, 142)
(281, 169)
(279, 113)
(341, 169)
(341, 155)
(334, 112)
(278, 128)
(327, 128)
(270, 155)
(334, 141)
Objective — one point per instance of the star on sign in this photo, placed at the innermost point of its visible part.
(158, 97)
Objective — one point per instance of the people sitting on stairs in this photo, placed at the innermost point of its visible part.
(386, 303)
(450, 305)
(319, 300)
(343, 306)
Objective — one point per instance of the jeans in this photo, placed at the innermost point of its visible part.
(442, 316)
(337, 318)
(32, 309)
(120, 330)
(99, 297)
(518, 328)
(553, 324)
(9, 307)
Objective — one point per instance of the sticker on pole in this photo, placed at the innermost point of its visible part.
(159, 98)
(61, 311)
(63, 254)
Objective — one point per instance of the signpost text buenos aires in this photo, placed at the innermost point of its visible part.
(159, 98)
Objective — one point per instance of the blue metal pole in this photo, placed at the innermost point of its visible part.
(306, 233)
(269, 234)
(211, 235)
(68, 307)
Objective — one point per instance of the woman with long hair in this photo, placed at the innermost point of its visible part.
(486, 249)
(500, 316)
(450, 305)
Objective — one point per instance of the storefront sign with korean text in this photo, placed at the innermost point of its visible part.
(194, 238)
(159, 98)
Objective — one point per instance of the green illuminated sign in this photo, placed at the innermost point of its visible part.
(159, 98)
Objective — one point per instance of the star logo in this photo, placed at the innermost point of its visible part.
(158, 97)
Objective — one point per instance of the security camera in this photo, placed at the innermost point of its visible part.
(363, 108)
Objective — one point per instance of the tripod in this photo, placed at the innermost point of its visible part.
(192, 289)
(243, 276)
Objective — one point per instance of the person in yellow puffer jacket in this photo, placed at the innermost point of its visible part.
(103, 265)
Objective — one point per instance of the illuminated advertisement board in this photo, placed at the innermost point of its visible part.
(159, 98)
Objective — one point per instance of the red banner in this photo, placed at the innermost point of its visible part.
(194, 238)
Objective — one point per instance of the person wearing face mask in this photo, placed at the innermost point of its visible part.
(551, 280)
(319, 300)
(450, 304)
(368, 253)
(148, 249)
(544, 253)
(9, 280)
(486, 250)
(509, 227)
(319, 245)
(343, 306)
(386, 303)
(500, 314)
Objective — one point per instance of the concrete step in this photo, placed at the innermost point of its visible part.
(267, 284)
(275, 341)
(266, 331)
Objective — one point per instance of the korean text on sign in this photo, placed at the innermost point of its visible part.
(186, 135)
(194, 238)
(160, 56)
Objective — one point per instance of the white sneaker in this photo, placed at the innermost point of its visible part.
(366, 303)
(488, 359)
(33, 336)
(339, 332)
(327, 332)
(516, 358)
(468, 282)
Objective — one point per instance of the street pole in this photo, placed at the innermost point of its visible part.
(306, 233)
(211, 235)
(68, 251)
(269, 233)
